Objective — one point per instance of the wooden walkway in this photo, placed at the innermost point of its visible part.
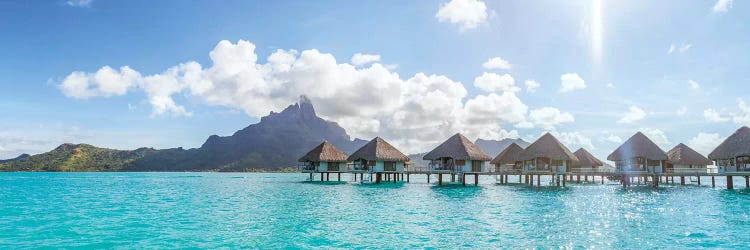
(557, 179)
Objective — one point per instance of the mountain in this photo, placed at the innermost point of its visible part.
(494, 147)
(15, 159)
(276, 142)
(76, 157)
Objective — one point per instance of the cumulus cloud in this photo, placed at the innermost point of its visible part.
(468, 14)
(613, 139)
(420, 111)
(531, 85)
(712, 115)
(549, 117)
(491, 82)
(704, 143)
(742, 118)
(360, 59)
(570, 82)
(574, 140)
(633, 114)
(722, 6)
(657, 136)
(497, 63)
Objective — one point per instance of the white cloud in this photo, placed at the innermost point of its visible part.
(491, 82)
(497, 63)
(722, 6)
(657, 136)
(574, 140)
(610, 85)
(79, 3)
(549, 117)
(360, 59)
(742, 118)
(105, 82)
(682, 48)
(712, 115)
(681, 111)
(633, 114)
(704, 143)
(420, 111)
(468, 14)
(531, 85)
(613, 139)
(694, 84)
(570, 82)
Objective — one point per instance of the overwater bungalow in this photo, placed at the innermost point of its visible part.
(325, 158)
(638, 155)
(508, 160)
(457, 156)
(683, 159)
(587, 163)
(547, 156)
(378, 157)
(733, 155)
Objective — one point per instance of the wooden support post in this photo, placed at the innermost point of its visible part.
(407, 178)
(656, 181)
(682, 180)
(578, 178)
(476, 179)
(563, 180)
(672, 179)
(328, 176)
(747, 181)
(699, 180)
(355, 177)
(585, 178)
(602, 179)
(557, 179)
(531, 180)
(311, 177)
(428, 178)
(453, 178)
(713, 182)
(395, 178)
(730, 182)
(440, 179)
(377, 178)
(519, 178)
(538, 180)
(639, 180)
(321, 176)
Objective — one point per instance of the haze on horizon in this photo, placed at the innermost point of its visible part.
(170, 73)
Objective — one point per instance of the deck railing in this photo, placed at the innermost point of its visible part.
(687, 170)
(358, 167)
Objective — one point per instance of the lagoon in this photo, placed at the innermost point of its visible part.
(244, 210)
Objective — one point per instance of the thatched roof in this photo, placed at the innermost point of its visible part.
(586, 159)
(549, 147)
(378, 150)
(737, 144)
(458, 147)
(324, 152)
(638, 146)
(509, 155)
(684, 155)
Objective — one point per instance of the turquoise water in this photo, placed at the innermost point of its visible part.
(233, 210)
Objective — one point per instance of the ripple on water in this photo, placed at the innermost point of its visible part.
(216, 210)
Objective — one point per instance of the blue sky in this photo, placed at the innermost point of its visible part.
(673, 69)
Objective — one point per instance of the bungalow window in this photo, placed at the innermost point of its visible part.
(543, 163)
(333, 166)
(743, 163)
(389, 166)
(476, 166)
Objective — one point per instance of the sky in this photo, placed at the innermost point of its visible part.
(163, 74)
